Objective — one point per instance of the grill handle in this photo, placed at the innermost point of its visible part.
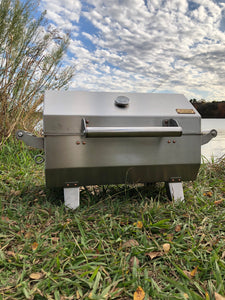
(207, 136)
(164, 131)
(30, 139)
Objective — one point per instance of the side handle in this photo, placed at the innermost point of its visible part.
(30, 139)
(206, 136)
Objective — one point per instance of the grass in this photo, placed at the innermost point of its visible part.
(114, 242)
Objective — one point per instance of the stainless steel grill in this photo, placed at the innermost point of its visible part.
(111, 138)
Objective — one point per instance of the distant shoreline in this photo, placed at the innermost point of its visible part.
(209, 110)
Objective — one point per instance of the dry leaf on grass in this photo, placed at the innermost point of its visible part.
(154, 254)
(187, 273)
(34, 246)
(194, 271)
(55, 239)
(134, 261)
(218, 296)
(139, 224)
(17, 193)
(178, 228)
(77, 294)
(218, 202)
(28, 235)
(139, 294)
(166, 247)
(11, 253)
(185, 296)
(169, 237)
(223, 255)
(130, 243)
(209, 194)
(36, 276)
(5, 219)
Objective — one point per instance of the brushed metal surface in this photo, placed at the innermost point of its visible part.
(80, 103)
(71, 125)
(119, 175)
(74, 152)
(160, 155)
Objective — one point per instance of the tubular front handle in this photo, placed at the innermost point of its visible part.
(163, 131)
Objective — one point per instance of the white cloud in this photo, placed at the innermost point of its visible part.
(145, 45)
(63, 12)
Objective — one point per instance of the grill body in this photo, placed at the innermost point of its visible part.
(91, 139)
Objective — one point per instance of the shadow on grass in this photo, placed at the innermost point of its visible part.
(105, 195)
(94, 196)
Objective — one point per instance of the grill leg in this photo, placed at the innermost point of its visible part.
(72, 197)
(175, 191)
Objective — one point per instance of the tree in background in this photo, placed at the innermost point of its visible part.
(30, 63)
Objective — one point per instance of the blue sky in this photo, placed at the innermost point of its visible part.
(144, 45)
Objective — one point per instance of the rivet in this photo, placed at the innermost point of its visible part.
(169, 141)
(172, 179)
(75, 184)
(84, 143)
(174, 141)
(87, 121)
(67, 184)
(78, 142)
(20, 134)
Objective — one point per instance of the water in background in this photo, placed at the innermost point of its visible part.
(216, 147)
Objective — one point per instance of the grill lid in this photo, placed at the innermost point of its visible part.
(64, 111)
